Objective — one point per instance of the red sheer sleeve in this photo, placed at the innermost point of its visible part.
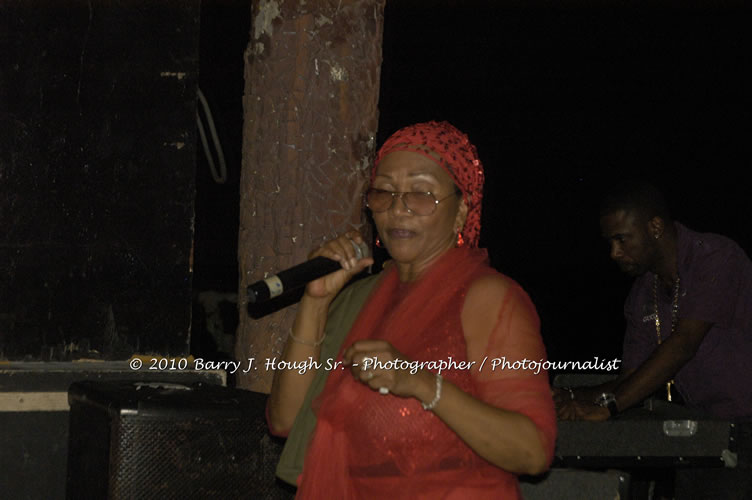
(512, 357)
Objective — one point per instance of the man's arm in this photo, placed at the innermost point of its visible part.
(662, 365)
(665, 362)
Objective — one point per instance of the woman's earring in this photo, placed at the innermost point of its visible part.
(378, 242)
(460, 240)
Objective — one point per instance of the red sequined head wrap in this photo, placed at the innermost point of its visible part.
(456, 154)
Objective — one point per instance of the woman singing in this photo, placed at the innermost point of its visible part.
(393, 421)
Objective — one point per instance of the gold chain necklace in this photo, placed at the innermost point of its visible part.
(674, 315)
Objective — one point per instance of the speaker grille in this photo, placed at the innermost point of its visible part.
(174, 453)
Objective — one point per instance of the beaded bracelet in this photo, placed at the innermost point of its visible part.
(307, 342)
(437, 397)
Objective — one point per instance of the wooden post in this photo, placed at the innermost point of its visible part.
(311, 117)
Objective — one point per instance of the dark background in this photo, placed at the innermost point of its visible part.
(97, 177)
(561, 102)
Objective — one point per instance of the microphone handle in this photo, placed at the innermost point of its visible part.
(297, 276)
(291, 279)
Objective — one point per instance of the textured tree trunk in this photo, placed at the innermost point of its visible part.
(311, 117)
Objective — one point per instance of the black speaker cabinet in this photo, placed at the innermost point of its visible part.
(137, 440)
(571, 484)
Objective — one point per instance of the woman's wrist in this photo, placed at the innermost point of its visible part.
(425, 390)
(309, 326)
(303, 341)
(436, 396)
(315, 303)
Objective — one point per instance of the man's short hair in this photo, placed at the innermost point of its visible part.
(636, 197)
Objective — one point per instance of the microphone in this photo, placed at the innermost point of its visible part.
(298, 276)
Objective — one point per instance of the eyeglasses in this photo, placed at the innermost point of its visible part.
(417, 203)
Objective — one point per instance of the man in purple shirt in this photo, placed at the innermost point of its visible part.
(712, 285)
(689, 331)
(689, 314)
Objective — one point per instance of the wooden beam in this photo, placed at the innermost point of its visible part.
(311, 116)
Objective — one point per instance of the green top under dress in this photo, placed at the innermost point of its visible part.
(342, 313)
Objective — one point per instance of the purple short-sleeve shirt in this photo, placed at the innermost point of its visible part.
(715, 287)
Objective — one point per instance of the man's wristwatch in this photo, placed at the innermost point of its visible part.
(607, 400)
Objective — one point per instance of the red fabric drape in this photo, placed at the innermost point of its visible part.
(371, 446)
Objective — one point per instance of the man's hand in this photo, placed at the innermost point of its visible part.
(562, 395)
(577, 410)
